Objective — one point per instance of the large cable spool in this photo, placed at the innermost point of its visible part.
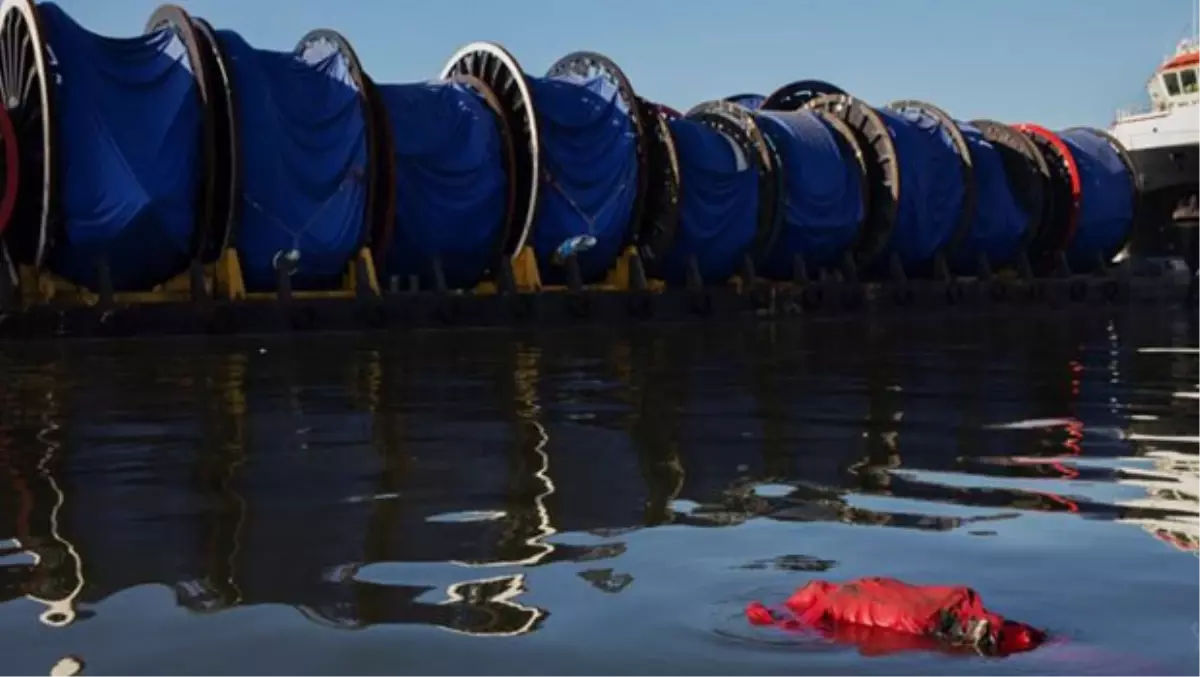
(882, 166)
(1110, 198)
(588, 65)
(98, 185)
(452, 177)
(296, 208)
(825, 192)
(1060, 211)
(723, 146)
(552, 114)
(1026, 169)
(958, 143)
(321, 45)
(937, 181)
(492, 65)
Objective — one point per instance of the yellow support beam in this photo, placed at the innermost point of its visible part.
(525, 271)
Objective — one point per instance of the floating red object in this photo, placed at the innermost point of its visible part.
(885, 615)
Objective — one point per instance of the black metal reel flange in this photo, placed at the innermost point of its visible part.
(847, 140)
(379, 174)
(228, 188)
(849, 147)
(508, 158)
(496, 67)
(737, 123)
(1135, 180)
(747, 100)
(660, 216)
(589, 65)
(883, 170)
(212, 200)
(966, 212)
(1024, 167)
(794, 95)
(1058, 208)
(26, 76)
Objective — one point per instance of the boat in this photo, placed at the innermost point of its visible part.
(1163, 140)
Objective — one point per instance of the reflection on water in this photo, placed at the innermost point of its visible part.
(443, 480)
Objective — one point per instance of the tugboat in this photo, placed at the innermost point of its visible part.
(1164, 143)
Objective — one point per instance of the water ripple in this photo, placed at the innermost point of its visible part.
(547, 489)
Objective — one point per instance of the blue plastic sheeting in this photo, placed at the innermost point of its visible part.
(999, 225)
(451, 187)
(718, 207)
(129, 126)
(304, 164)
(823, 197)
(931, 188)
(1106, 201)
(589, 173)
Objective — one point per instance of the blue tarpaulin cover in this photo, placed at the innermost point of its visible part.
(999, 224)
(718, 206)
(589, 172)
(931, 188)
(129, 124)
(304, 163)
(823, 199)
(451, 185)
(1106, 202)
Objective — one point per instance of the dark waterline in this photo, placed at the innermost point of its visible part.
(581, 502)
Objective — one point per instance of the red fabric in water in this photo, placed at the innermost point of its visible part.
(851, 610)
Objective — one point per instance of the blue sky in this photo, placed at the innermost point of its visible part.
(1055, 62)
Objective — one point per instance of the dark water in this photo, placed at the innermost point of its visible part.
(494, 502)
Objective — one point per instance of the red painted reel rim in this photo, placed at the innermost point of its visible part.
(12, 169)
(1072, 170)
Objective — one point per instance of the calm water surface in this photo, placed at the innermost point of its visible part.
(587, 502)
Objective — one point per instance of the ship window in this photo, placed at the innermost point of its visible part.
(1187, 81)
(1172, 81)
